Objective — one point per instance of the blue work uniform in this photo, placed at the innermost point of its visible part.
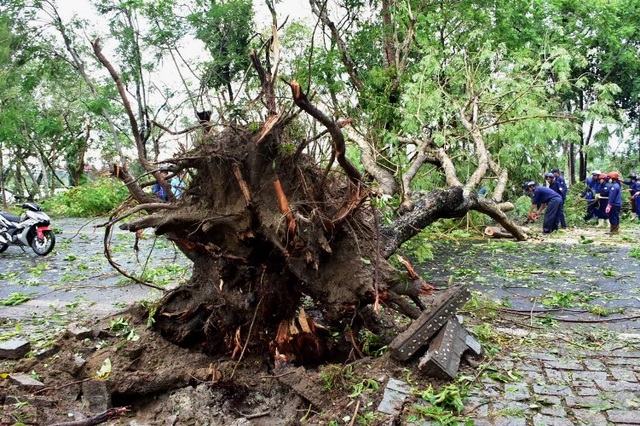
(615, 201)
(544, 195)
(603, 192)
(589, 194)
(561, 190)
(634, 190)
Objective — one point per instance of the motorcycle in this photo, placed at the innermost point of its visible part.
(30, 229)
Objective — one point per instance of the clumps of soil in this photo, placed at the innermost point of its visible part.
(164, 384)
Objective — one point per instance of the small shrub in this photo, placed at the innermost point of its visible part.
(92, 199)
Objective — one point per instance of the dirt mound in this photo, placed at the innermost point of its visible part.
(119, 362)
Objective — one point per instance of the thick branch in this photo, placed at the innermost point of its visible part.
(383, 177)
(422, 156)
(492, 209)
(135, 130)
(300, 98)
(481, 149)
(441, 204)
(434, 205)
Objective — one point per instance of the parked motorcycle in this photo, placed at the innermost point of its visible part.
(30, 229)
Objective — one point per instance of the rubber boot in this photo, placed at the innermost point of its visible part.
(614, 229)
(601, 223)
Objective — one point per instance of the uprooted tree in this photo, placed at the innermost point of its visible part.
(280, 243)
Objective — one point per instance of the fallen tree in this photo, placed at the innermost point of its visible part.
(274, 235)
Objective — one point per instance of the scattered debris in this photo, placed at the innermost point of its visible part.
(395, 394)
(451, 340)
(14, 348)
(25, 380)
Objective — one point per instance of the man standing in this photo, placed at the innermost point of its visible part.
(561, 182)
(615, 203)
(634, 186)
(543, 198)
(589, 195)
(177, 183)
(602, 195)
(561, 190)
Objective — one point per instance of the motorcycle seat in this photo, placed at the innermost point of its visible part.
(10, 217)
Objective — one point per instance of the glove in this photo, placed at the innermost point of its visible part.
(533, 216)
(608, 209)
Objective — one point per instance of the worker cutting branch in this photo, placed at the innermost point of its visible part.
(545, 200)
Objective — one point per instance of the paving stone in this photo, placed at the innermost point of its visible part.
(623, 374)
(550, 400)
(96, 396)
(609, 386)
(553, 411)
(556, 376)
(549, 389)
(506, 409)
(516, 391)
(624, 361)
(492, 390)
(394, 396)
(590, 417)
(582, 384)
(14, 348)
(478, 406)
(589, 376)
(624, 399)
(625, 354)
(25, 380)
(79, 332)
(527, 366)
(564, 364)
(543, 357)
(510, 421)
(541, 420)
(594, 365)
(624, 416)
(587, 391)
(597, 402)
(534, 377)
(505, 364)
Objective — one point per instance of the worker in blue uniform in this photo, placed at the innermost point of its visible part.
(602, 195)
(614, 204)
(634, 186)
(556, 185)
(589, 195)
(547, 200)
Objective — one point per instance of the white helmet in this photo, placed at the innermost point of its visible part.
(596, 172)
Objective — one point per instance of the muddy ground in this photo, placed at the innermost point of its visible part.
(563, 284)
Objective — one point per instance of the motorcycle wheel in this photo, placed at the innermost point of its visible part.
(3, 247)
(44, 246)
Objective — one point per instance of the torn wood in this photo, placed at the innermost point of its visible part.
(438, 311)
(496, 232)
(442, 360)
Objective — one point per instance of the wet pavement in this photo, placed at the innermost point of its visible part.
(564, 350)
(76, 281)
(593, 278)
(567, 333)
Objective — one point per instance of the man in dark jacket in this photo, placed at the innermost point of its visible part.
(615, 202)
(561, 189)
(543, 198)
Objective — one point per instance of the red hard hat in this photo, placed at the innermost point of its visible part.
(602, 176)
(614, 175)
